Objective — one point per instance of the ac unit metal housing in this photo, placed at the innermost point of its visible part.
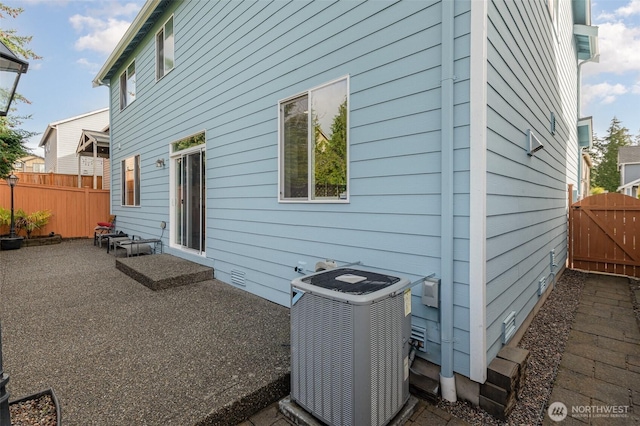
(350, 341)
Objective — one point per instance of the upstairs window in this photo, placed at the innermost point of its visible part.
(128, 86)
(131, 181)
(165, 49)
(314, 144)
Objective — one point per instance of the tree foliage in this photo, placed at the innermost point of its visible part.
(12, 138)
(331, 154)
(11, 149)
(605, 172)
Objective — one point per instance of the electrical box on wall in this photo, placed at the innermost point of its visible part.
(430, 291)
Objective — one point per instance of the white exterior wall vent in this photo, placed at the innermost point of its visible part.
(533, 143)
(509, 327)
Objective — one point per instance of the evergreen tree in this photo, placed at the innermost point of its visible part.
(605, 173)
(331, 154)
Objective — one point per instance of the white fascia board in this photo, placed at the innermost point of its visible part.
(133, 29)
(478, 193)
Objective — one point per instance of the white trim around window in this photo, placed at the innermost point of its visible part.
(165, 49)
(128, 85)
(313, 145)
(130, 181)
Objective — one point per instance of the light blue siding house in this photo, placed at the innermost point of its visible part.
(417, 137)
(629, 167)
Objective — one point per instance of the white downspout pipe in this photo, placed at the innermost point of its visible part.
(595, 58)
(447, 378)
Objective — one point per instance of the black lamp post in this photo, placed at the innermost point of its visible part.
(11, 67)
(12, 180)
(5, 416)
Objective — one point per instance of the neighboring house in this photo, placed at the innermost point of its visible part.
(29, 164)
(629, 167)
(60, 142)
(93, 148)
(433, 112)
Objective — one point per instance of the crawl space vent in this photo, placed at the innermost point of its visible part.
(509, 327)
(419, 334)
(238, 278)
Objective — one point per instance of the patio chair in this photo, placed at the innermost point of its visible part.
(103, 229)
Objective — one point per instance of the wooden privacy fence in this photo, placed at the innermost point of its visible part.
(55, 179)
(75, 211)
(604, 234)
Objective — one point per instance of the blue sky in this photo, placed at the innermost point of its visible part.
(75, 37)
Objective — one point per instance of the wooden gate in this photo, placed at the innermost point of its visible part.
(604, 234)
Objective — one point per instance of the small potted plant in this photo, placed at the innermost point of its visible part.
(8, 241)
(32, 221)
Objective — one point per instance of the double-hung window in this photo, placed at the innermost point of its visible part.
(131, 181)
(313, 144)
(128, 85)
(165, 51)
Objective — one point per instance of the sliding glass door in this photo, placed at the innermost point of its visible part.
(190, 199)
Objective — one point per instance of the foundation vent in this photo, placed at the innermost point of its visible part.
(542, 286)
(419, 334)
(509, 327)
(238, 278)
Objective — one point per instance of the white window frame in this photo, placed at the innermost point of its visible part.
(125, 79)
(281, 168)
(161, 69)
(173, 196)
(137, 181)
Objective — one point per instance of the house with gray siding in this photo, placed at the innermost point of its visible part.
(629, 167)
(60, 141)
(431, 138)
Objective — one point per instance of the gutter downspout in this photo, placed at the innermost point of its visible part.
(447, 378)
(595, 58)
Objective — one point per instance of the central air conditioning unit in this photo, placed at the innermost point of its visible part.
(350, 341)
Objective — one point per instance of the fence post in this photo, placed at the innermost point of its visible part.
(87, 208)
(570, 226)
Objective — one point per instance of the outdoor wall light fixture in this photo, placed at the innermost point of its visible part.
(160, 162)
(11, 67)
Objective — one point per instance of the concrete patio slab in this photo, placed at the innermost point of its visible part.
(118, 353)
(162, 271)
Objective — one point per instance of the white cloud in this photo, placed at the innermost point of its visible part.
(602, 93)
(619, 47)
(91, 66)
(102, 29)
(103, 36)
(633, 8)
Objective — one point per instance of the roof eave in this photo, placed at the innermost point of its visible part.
(45, 135)
(586, 37)
(582, 12)
(129, 35)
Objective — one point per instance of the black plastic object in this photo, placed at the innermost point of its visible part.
(337, 280)
(38, 395)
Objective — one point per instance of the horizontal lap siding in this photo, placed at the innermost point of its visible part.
(68, 134)
(234, 61)
(531, 73)
(393, 169)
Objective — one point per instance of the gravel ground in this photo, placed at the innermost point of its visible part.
(34, 412)
(545, 339)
